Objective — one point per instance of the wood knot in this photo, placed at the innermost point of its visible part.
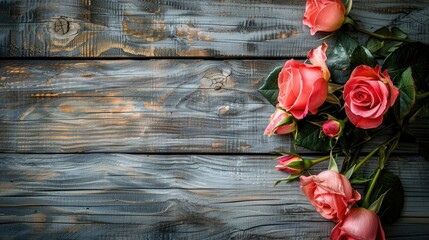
(224, 110)
(61, 25)
(218, 78)
(63, 28)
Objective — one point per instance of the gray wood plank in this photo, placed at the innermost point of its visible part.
(206, 28)
(173, 197)
(138, 106)
(135, 106)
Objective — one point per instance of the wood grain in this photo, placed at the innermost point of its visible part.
(135, 106)
(175, 196)
(138, 106)
(181, 28)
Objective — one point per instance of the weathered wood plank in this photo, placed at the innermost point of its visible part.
(134, 106)
(174, 196)
(137, 106)
(206, 28)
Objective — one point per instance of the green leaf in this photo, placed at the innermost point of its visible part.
(362, 55)
(384, 47)
(339, 58)
(414, 55)
(376, 205)
(331, 98)
(290, 178)
(391, 207)
(359, 180)
(407, 95)
(332, 87)
(308, 137)
(270, 88)
(349, 172)
(349, 4)
(332, 163)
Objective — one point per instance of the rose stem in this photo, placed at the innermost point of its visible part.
(383, 37)
(381, 164)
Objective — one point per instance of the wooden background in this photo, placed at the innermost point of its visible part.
(140, 119)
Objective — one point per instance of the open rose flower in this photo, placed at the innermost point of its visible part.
(303, 87)
(281, 122)
(368, 94)
(360, 223)
(324, 15)
(330, 193)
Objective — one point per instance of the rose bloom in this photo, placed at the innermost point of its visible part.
(303, 87)
(360, 223)
(287, 159)
(281, 122)
(324, 15)
(331, 128)
(368, 94)
(330, 193)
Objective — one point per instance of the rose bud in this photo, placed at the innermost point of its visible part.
(330, 193)
(368, 95)
(324, 15)
(290, 164)
(281, 122)
(360, 223)
(332, 128)
(294, 164)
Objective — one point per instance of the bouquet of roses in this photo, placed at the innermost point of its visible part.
(338, 102)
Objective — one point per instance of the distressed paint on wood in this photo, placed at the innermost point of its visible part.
(164, 28)
(138, 106)
(174, 196)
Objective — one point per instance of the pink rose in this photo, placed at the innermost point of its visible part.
(281, 122)
(324, 15)
(303, 87)
(368, 94)
(360, 223)
(332, 128)
(330, 193)
(318, 57)
(297, 165)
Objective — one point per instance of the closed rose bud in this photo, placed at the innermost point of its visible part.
(281, 122)
(360, 223)
(324, 15)
(332, 128)
(290, 164)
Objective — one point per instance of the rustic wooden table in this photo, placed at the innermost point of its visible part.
(140, 119)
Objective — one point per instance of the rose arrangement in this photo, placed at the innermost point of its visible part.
(337, 102)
